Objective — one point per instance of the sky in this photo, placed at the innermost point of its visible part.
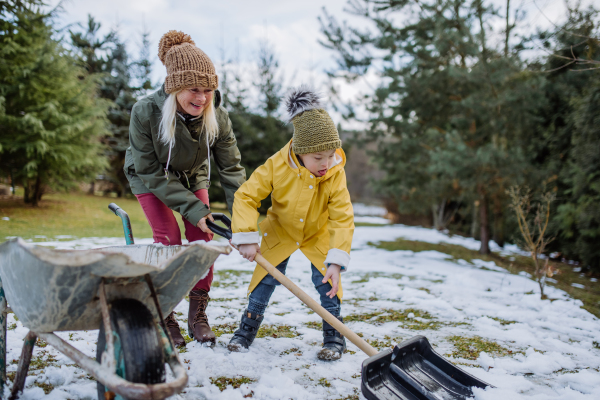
(236, 26)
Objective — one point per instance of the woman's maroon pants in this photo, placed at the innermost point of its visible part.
(166, 231)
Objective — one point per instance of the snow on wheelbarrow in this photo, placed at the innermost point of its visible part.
(129, 288)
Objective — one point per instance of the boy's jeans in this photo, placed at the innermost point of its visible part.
(259, 298)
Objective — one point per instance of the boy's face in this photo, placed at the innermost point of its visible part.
(318, 163)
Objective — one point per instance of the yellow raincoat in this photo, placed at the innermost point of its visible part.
(310, 213)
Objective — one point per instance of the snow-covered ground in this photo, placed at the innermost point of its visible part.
(538, 349)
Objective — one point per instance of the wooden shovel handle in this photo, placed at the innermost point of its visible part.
(316, 307)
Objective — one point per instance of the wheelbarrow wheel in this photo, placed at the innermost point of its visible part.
(138, 351)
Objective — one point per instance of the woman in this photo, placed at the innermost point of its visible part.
(172, 134)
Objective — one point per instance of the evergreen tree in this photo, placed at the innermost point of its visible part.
(143, 66)
(556, 146)
(259, 135)
(579, 216)
(451, 109)
(106, 57)
(269, 83)
(52, 117)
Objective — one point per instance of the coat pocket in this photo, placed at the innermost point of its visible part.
(128, 167)
(269, 235)
(323, 246)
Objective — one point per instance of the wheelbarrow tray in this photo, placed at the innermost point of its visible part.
(57, 290)
(414, 371)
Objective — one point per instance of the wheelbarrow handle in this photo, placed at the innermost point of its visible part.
(119, 212)
(219, 230)
(316, 307)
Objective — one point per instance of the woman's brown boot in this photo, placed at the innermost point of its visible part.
(198, 327)
(173, 328)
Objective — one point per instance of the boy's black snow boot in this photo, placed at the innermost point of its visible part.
(244, 336)
(334, 343)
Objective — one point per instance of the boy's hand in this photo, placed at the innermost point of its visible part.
(249, 251)
(333, 273)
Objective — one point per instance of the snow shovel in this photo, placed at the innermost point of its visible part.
(412, 371)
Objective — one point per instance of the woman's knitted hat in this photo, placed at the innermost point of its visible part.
(187, 65)
(314, 129)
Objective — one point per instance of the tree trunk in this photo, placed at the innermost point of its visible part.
(27, 194)
(475, 222)
(93, 187)
(498, 223)
(485, 228)
(37, 191)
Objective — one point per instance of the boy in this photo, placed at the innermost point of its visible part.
(311, 211)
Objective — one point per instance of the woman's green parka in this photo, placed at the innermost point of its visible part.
(146, 159)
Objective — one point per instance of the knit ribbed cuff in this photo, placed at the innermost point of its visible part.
(339, 257)
(188, 79)
(245, 238)
(336, 144)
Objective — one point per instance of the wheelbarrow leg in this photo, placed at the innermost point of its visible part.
(23, 367)
(3, 316)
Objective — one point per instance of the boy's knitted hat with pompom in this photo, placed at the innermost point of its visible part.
(187, 65)
(314, 130)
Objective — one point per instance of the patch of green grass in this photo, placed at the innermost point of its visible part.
(221, 299)
(565, 276)
(12, 327)
(222, 382)
(230, 273)
(470, 347)
(290, 351)
(388, 315)
(184, 333)
(224, 329)
(41, 361)
(380, 344)
(46, 387)
(596, 345)
(354, 396)
(222, 284)
(368, 224)
(503, 322)
(40, 343)
(324, 382)
(366, 277)
(314, 325)
(76, 214)
(281, 314)
(277, 331)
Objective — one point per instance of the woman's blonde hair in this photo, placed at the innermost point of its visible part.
(169, 113)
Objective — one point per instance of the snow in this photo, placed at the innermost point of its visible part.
(554, 344)
(372, 220)
(363, 209)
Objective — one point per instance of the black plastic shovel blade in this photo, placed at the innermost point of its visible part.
(414, 371)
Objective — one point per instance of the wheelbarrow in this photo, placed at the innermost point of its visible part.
(411, 371)
(124, 291)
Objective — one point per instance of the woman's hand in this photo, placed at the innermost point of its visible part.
(202, 224)
(333, 273)
(249, 251)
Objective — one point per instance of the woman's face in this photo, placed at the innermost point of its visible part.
(193, 100)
